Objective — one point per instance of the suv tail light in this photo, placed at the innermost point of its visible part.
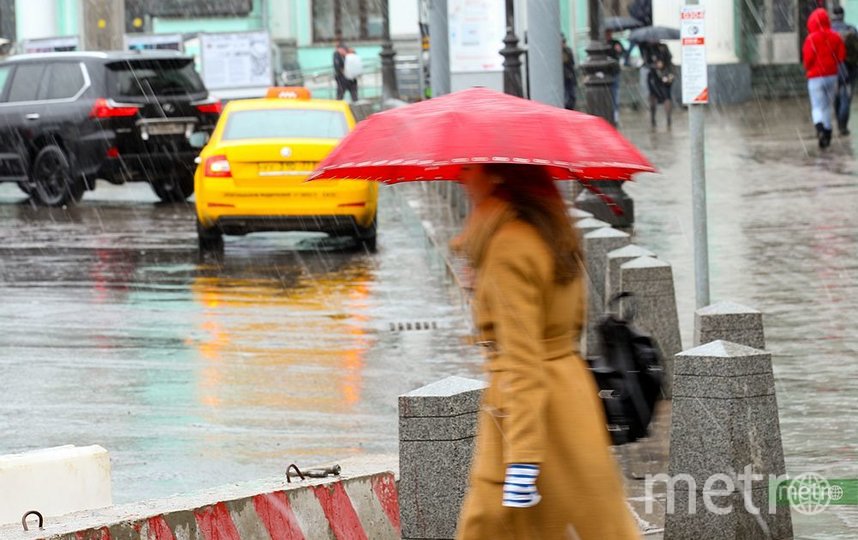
(218, 167)
(213, 106)
(107, 108)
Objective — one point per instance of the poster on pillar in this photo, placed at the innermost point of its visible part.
(695, 79)
(477, 29)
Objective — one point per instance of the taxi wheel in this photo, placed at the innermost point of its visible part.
(175, 186)
(209, 238)
(366, 236)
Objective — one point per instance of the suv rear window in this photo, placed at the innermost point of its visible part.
(285, 124)
(132, 79)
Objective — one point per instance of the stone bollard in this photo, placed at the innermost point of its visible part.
(597, 245)
(437, 426)
(725, 418)
(589, 224)
(651, 281)
(617, 258)
(577, 214)
(731, 322)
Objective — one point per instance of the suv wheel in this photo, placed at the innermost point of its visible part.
(175, 186)
(209, 238)
(54, 183)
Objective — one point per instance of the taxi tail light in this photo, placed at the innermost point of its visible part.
(352, 204)
(113, 152)
(213, 106)
(107, 108)
(218, 167)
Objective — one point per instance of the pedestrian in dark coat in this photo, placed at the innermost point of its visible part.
(570, 80)
(343, 83)
(849, 69)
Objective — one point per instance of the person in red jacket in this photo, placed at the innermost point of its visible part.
(823, 53)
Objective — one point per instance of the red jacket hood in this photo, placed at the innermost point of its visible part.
(818, 20)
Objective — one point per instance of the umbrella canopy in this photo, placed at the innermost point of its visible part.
(617, 24)
(653, 33)
(431, 140)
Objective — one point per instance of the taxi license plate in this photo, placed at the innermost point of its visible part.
(288, 168)
(165, 129)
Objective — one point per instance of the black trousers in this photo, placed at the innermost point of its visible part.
(350, 85)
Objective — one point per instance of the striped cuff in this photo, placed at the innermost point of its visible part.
(519, 488)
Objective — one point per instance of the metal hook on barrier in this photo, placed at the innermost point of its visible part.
(297, 470)
(37, 514)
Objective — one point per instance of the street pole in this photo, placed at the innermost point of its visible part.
(696, 121)
(545, 63)
(511, 55)
(600, 70)
(389, 88)
(439, 48)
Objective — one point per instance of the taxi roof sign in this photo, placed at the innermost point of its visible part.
(288, 92)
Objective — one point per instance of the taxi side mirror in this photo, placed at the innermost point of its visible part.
(198, 139)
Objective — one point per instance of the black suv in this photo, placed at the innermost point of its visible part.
(67, 119)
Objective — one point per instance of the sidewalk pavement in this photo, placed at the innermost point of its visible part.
(637, 460)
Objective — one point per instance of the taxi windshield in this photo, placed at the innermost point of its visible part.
(285, 124)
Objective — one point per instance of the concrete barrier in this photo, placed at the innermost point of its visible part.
(357, 507)
(55, 481)
(597, 244)
(651, 281)
(725, 418)
(437, 426)
(730, 322)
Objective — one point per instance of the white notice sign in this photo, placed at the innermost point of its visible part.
(236, 60)
(477, 29)
(695, 82)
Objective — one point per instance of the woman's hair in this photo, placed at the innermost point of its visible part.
(533, 194)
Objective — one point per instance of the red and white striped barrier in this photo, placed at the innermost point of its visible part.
(358, 508)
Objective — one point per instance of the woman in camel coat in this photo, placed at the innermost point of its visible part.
(542, 467)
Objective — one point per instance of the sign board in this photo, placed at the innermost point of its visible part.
(477, 29)
(236, 60)
(56, 44)
(695, 79)
(145, 42)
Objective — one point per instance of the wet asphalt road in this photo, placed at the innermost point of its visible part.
(194, 372)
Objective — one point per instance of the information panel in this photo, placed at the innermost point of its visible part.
(476, 35)
(57, 44)
(695, 79)
(236, 60)
(144, 42)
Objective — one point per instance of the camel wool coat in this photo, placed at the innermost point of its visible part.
(542, 404)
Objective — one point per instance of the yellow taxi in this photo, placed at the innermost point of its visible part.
(251, 174)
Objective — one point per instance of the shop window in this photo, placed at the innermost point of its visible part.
(357, 20)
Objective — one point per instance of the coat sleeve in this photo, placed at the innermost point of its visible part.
(841, 49)
(515, 279)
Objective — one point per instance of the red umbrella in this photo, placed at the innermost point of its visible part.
(432, 139)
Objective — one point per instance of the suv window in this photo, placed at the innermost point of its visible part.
(25, 82)
(66, 80)
(5, 71)
(141, 78)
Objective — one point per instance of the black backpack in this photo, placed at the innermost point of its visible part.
(629, 375)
